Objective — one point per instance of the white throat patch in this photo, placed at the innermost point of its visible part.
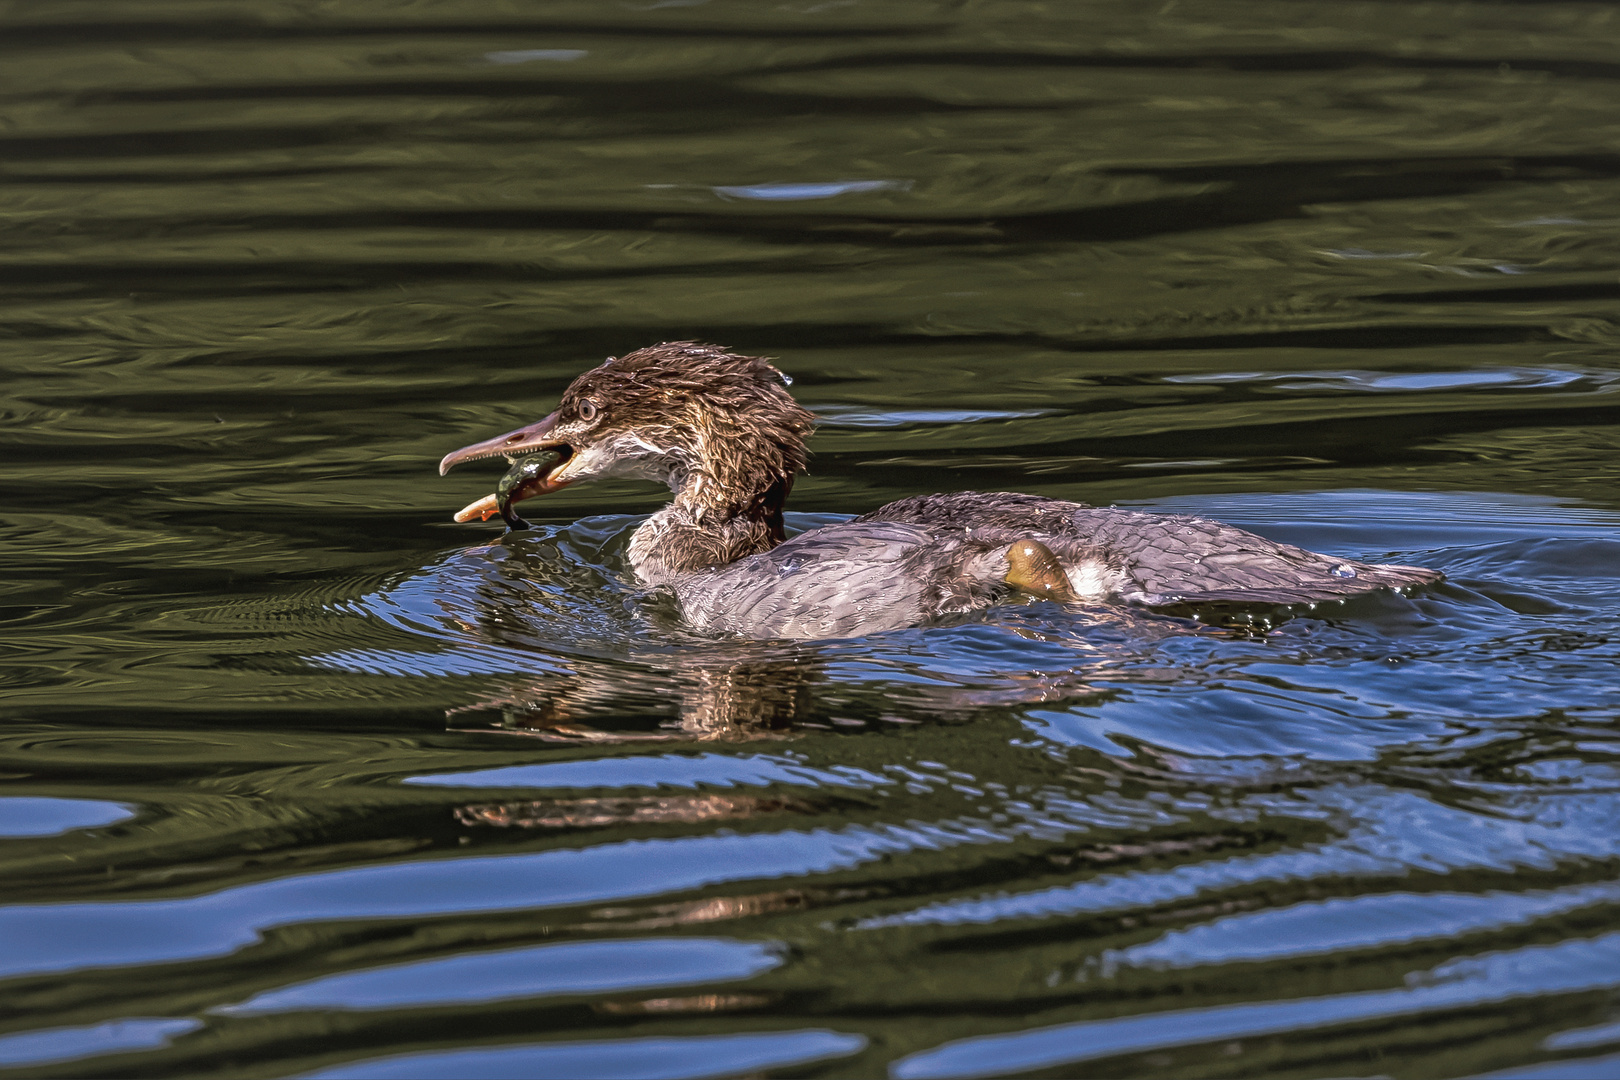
(627, 455)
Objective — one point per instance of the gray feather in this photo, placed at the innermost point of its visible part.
(922, 558)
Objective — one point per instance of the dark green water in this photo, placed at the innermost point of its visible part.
(301, 779)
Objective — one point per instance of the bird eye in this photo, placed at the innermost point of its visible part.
(586, 410)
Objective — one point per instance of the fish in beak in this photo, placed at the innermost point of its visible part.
(536, 456)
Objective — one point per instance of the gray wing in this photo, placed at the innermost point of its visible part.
(838, 581)
(1173, 558)
(1156, 558)
(916, 559)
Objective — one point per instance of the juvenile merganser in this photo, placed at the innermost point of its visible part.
(724, 434)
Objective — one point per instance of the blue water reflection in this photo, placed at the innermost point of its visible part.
(62, 937)
(568, 968)
(68, 1044)
(800, 192)
(1566, 968)
(631, 1059)
(32, 815)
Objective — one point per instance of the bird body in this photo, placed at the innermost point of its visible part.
(723, 433)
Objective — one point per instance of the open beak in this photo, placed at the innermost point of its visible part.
(514, 444)
(525, 440)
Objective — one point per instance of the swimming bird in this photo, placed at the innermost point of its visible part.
(724, 434)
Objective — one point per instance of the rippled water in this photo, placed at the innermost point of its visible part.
(301, 779)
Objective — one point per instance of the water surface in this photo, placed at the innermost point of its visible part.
(299, 778)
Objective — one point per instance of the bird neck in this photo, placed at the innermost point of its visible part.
(706, 528)
(733, 472)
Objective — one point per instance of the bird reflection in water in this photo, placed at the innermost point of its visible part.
(607, 652)
(692, 1003)
(589, 647)
(594, 660)
(714, 700)
(650, 810)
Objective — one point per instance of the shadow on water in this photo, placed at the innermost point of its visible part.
(298, 779)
